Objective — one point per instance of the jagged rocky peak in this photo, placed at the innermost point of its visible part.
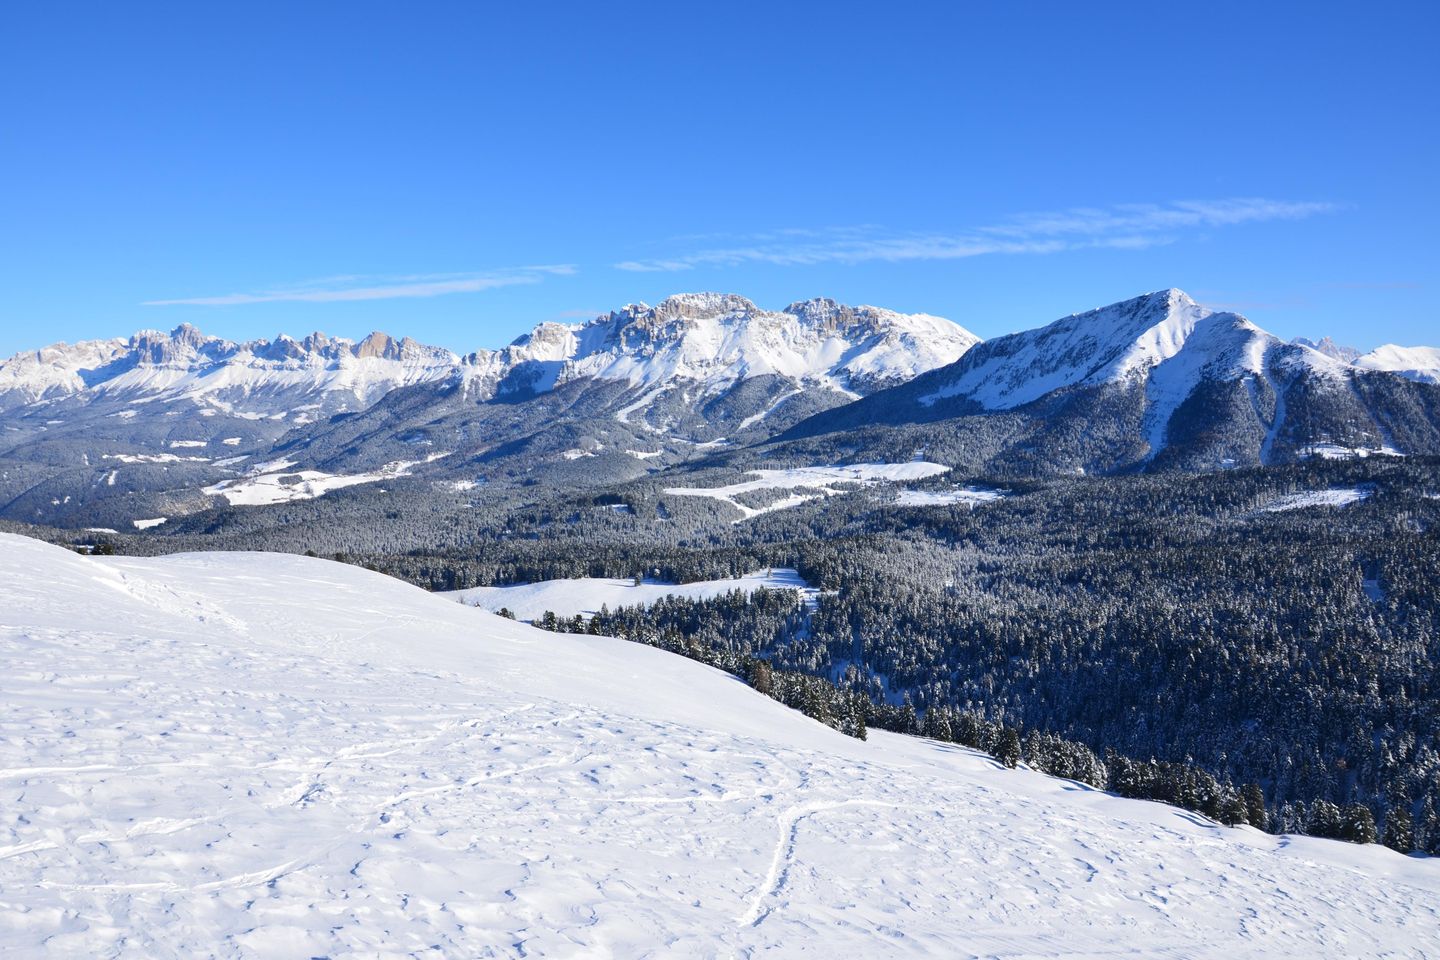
(704, 305)
(188, 335)
(377, 344)
(385, 347)
(639, 326)
(1331, 349)
(549, 341)
(824, 312)
(723, 337)
(181, 345)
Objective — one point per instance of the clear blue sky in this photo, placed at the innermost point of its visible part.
(460, 171)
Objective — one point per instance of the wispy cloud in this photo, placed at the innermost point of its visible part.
(352, 288)
(1125, 227)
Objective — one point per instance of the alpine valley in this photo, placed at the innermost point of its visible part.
(1145, 588)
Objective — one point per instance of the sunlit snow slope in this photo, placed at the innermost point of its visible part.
(272, 756)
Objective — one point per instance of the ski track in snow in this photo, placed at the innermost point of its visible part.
(247, 755)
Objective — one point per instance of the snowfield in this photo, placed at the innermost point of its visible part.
(973, 496)
(1317, 498)
(586, 596)
(270, 483)
(824, 481)
(251, 755)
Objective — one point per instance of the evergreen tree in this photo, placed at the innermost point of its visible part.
(1357, 823)
(910, 723)
(1323, 820)
(1233, 811)
(1427, 837)
(1399, 830)
(1254, 799)
(1007, 750)
(937, 724)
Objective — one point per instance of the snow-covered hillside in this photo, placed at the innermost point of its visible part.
(585, 596)
(271, 756)
(1157, 380)
(1165, 339)
(1415, 363)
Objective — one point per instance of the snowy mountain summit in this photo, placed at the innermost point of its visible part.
(1161, 379)
(1413, 363)
(1164, 339)
(261, 755)
(716, 340)
(258, 377)
(709, 338)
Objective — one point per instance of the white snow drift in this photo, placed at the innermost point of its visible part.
(250, 755)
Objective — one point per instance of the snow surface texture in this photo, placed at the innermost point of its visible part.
(271, 756)
(823, 481)
(1317, 498)
(586, 596)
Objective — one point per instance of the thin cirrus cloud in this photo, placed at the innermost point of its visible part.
(352, 288)
(1124, 227)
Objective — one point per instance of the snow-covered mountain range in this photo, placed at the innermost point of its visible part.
(261, 755)
(259, 378)
(1163, 377)
(715, 339)
(1158, 380)
(712, 340)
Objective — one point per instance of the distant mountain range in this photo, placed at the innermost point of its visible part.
(1161, 380)
(713, 340)
(1153, 382)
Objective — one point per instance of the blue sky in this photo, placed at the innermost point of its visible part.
(459, 172)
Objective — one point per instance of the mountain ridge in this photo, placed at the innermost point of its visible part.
(1156, 381)
(1170, 381)
(686, 336)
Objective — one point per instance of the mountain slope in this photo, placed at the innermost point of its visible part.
(1158, 379)
(640, 387)
(257, 755)
(1415, 363)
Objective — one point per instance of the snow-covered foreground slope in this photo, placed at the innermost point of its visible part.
(566, 598)
(257, 755)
